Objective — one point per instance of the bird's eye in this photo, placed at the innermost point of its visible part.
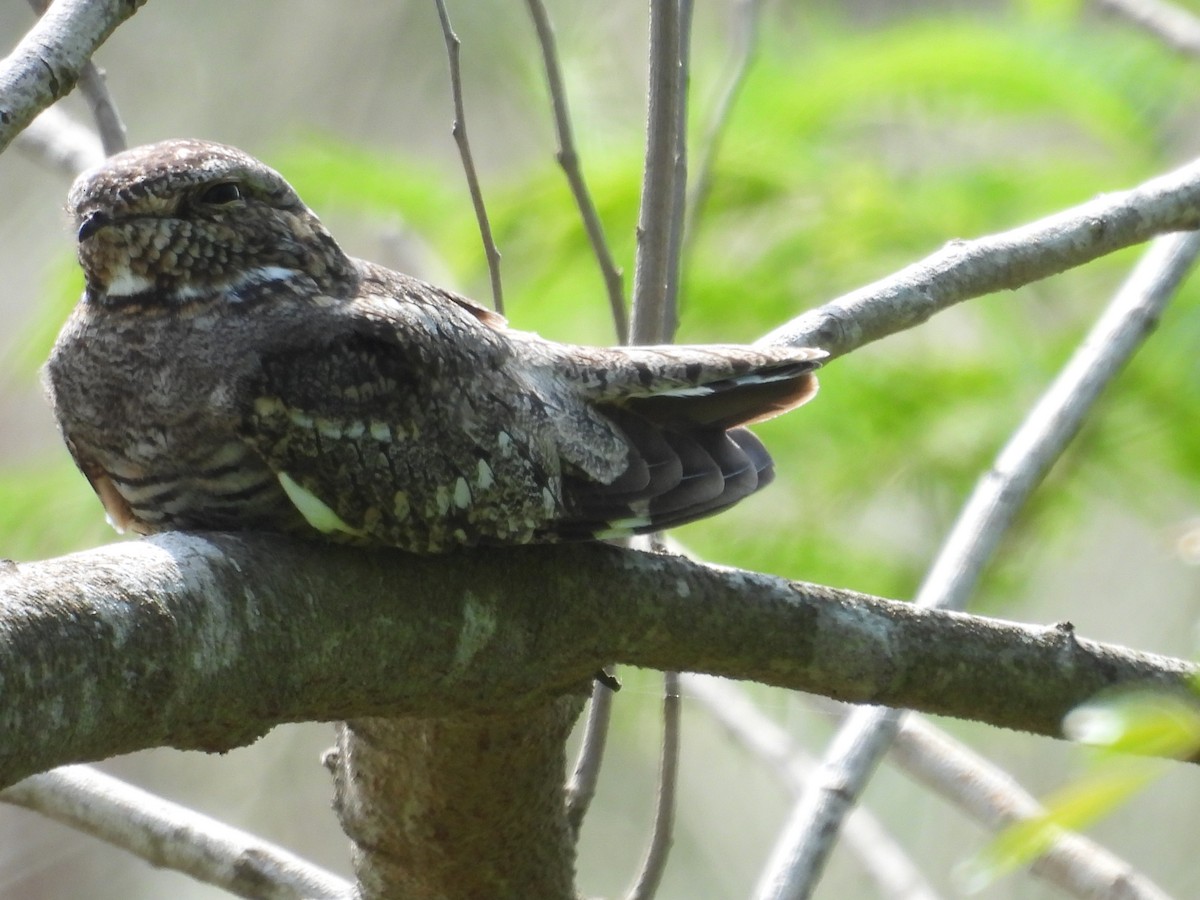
(220, 194)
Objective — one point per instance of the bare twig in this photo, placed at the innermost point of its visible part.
(800, 854)
(104, 108)
(1173, 25)
(965, 269)
(468, 162)
(662, 835)
(652, 271)
(568, 158)
(172, 836)
(47, 62)
(745, 41)
(61, 143)
(660, 225)
(885, 861)
(582, 786)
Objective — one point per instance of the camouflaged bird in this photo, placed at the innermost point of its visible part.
(230, 368)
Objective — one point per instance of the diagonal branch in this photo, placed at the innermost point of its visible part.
(45, 66)
(965, 269)
(459, 129)
(172, 836)
(568, 158)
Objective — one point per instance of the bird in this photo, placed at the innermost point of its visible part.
(229, 368)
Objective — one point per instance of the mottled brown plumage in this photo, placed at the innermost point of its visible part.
(229, 367)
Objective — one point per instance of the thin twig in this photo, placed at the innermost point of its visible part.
(172, 836)
(652, 270)
(104, 109)
(1173, 25)
(883, 860)
(745, 41)
(568, 158)
(803, 848)
(965, 269)
(61, 143)
(659, 228)
(655, 863)
(453, 44)
(582, 786)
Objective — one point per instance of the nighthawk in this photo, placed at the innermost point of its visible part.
(230, 368)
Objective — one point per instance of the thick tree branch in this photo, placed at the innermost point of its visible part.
(423, 800)
(45, 66)
(965, 269)
(207, 641)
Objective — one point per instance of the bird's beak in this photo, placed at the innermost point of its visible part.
(92, 223)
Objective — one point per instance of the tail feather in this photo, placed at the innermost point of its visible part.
(688, 456)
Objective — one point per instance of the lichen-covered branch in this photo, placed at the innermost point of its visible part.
(208, 641)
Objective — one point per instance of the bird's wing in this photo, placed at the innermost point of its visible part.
(384, 432)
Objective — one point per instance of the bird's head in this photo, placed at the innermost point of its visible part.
(185, 220)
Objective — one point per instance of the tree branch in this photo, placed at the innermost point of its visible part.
(965, 269)
(207, 641)
(879, 854)
(800, 854)
(459, 129)
(45, 66)
(58, 141)
(657, 258)
(175, 837)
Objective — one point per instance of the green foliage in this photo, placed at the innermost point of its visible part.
(1142, 723)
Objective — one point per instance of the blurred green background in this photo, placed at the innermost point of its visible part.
(867, 135)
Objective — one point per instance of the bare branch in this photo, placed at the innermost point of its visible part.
(581, 788)
(568, 158)
(104, 108)
(198, 641)
(653, 270)
(172, 836)
(801, 852)
(58, 141)
(1074, 863)
(885, 861)
(663, 832)
(965, 269)
(1173, 25)
(468, 162)
(45, 66)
